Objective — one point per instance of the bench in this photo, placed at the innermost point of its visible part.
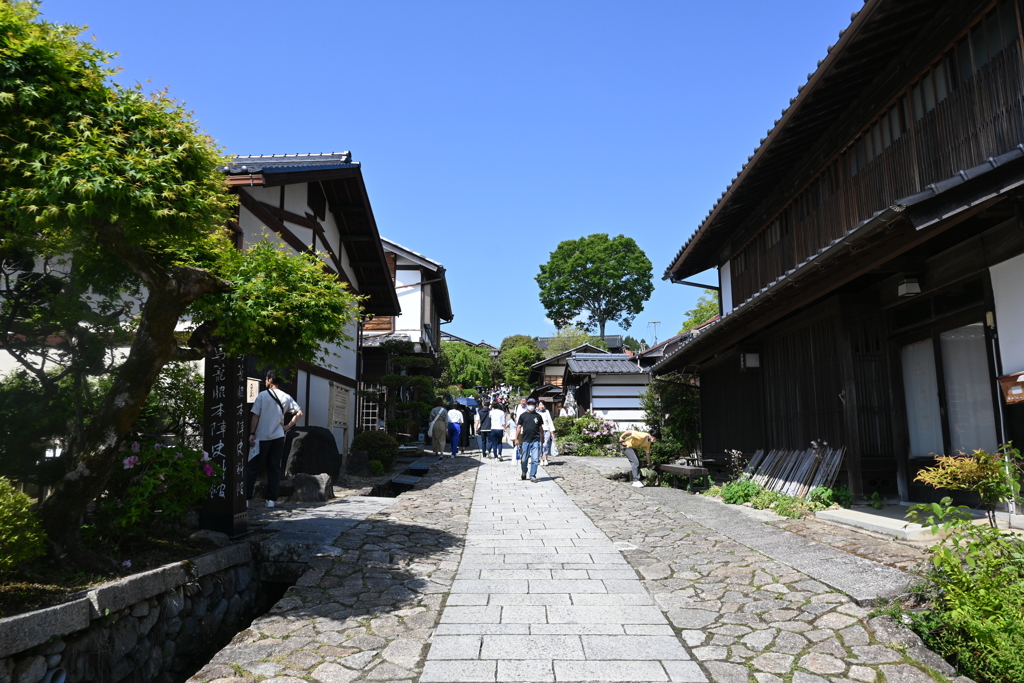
(689, 471)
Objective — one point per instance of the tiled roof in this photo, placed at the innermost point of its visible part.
(371, 342)
(277, 163)
(585, 363)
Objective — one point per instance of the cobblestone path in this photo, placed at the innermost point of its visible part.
(744, 617)
(366, 614)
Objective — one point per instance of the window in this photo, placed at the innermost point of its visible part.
(951, 412)
(369, 411)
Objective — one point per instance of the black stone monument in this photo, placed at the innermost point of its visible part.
(225, 438)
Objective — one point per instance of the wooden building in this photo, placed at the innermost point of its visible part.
(608, 386)
(421, 286)
(318, 203)
(870, 252)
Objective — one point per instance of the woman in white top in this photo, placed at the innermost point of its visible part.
(498, 420)
(455, 429)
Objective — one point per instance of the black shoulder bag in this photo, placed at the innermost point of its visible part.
(288, 416)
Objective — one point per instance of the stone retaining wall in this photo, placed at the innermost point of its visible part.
(155, 627)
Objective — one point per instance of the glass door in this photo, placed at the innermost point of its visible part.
(947, 385)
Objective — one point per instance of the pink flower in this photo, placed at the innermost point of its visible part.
(126, 563)
(136, 447)
(205, 458)
(131, 461)
(157, 447)
(208, 469)
(160, 476)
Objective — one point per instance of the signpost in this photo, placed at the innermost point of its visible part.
(225, 435)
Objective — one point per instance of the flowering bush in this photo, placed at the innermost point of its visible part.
(594, 430)
(155, 478)
(21, 537)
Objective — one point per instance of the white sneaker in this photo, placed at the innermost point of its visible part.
(638, 484)
(270, 503)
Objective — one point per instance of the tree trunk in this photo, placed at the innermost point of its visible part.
(97, 454)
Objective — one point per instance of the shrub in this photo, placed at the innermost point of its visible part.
(377, 467)
(739, 492)
(21, 537)
(378, 445)
(987, 474)
(975, 588)
(152, 477)
(667, 451)
(594, 430)
(842, 495)
(564, 426)
(715, 491)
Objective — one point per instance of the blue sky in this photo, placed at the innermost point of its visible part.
(491, 131)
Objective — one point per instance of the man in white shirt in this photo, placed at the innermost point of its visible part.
(454, 429)
(268, 428)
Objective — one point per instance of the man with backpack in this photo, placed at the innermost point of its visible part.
(273, 413)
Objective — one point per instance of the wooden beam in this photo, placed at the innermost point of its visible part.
(356, 238)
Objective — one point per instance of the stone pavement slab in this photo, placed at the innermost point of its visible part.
(541, 607)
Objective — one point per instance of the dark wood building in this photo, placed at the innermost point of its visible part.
(870, 252)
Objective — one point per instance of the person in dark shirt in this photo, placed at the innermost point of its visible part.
(529, 436)
(483, 428)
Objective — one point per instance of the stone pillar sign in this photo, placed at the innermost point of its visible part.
(225, 438)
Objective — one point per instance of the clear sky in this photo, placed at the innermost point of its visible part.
(490, 131)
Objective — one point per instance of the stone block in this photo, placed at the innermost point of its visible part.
(119, 594)
(309, 488)
(216, 539)
(22, 631)
(219, 560)
(29, 670)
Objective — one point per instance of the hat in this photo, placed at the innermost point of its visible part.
(531, 400)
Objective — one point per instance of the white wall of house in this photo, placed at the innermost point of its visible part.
(617, 398)
(1008, 292)
(313, 392)
(725, 282)
(410, 299)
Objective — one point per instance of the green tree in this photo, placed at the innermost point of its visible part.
(569, 338)
(465, 365)
(609, 278)
(705, 310)
(634, 345)
(515, 356)
(672, 410)
(114, 210)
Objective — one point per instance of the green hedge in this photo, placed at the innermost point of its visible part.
(379, 446)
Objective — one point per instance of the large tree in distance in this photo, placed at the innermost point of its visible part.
(515, 356)
(112, 231)
(608, 278)
(705, 309)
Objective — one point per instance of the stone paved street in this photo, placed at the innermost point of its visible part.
(542, 594)
(478, 576)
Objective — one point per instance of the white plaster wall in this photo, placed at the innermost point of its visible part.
(1008, 292)
(632, 391)
(725, 282)
(409, 321)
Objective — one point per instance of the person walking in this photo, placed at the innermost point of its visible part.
(483, 428)
(454, 428)
(267, 431)
(498, 419)
(438, 427)
(632, 440)
(549, 432)
(529, 436)
(520, 409)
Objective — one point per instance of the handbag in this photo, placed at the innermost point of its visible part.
(287, 416)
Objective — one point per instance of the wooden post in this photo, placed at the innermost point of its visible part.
(225, 435)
